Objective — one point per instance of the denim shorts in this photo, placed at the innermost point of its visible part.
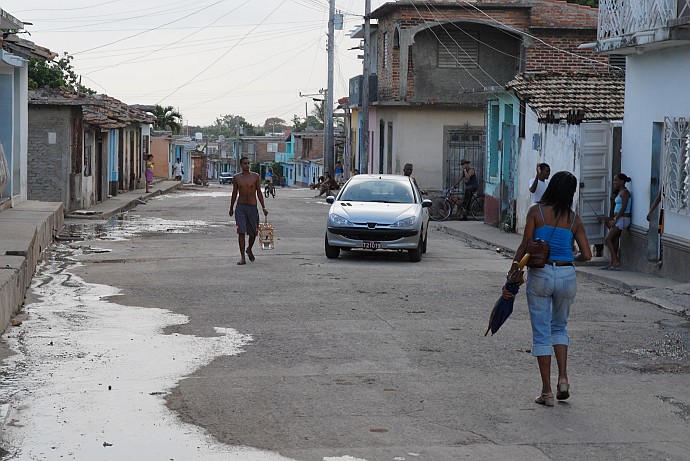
(550, 292)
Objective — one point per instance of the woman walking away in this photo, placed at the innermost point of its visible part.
(620, 220)
(551, 290)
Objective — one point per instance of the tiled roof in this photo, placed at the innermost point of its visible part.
(25, 48)
(98, 109)
(572, 97)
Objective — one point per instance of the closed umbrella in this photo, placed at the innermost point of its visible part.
(504, 305)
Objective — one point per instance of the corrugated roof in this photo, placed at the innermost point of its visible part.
(98, 109)
(572, 97)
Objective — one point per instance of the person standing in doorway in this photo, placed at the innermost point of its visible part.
(339, 172)
(149, 172)
(177, 170)
(620, 220)
(551, 290)
(469, 177)
(538, 184)
(246, 186)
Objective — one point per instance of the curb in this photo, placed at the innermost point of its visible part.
(672, 297)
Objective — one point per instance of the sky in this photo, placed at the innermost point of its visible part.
(206, 58)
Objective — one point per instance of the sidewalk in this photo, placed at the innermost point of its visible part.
(665, 293)
(124, 201)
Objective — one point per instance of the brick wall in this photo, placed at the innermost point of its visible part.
(48, 165)
(557, 27)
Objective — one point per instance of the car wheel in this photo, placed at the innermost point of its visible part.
(416, 255)
(331, 251)
(426, 237)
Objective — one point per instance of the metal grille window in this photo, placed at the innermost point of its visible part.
(386, 47)
(676, 176)
(466, 143)
(458, 49)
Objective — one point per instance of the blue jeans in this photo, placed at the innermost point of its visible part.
(550, 292)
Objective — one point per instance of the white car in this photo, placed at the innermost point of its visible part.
(378, 212)
(225, 177)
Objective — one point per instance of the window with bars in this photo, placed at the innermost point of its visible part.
(386, 49)
(458, 49)
(676, 177)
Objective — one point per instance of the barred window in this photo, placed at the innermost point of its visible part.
(458, 49)
(676, 176)
(386, 47)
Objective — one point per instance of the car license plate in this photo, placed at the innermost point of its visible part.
(371, 245)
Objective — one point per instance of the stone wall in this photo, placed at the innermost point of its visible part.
(49, 146)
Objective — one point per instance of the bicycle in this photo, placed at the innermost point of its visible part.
(270, 188)
(443, 206)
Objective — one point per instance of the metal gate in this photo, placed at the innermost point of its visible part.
(464, 143)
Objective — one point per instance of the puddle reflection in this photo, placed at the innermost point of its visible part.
(89, 376)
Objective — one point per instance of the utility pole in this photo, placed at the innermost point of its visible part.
(328, 150)
(364, 154)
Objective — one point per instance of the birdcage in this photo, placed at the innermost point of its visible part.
(266, 235)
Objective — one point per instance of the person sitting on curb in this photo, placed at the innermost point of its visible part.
(327, 185)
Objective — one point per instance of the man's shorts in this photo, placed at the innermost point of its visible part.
(247, 219)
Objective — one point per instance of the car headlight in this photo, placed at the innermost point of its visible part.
(338, 221)
(407, 222)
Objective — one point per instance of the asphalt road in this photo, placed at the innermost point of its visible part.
(373, 357)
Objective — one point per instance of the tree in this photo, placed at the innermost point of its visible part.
(319, 114)
(58, 74)
(167, 118)
(592, 3)
(275, 124)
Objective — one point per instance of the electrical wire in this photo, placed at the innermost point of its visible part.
(228, 51)
(171, 43)
(149, 30)
(594, 62)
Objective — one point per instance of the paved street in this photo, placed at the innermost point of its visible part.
(367, 357)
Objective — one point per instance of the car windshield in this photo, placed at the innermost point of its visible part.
(378, 191)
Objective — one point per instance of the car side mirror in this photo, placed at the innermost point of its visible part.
(330, 200)
(426, 203)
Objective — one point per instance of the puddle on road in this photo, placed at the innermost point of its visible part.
(127, 225)
(89, 377)
(195, 194)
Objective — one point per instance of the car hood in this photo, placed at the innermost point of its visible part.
(380, 213)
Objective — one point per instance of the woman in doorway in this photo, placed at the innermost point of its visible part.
(620, 220)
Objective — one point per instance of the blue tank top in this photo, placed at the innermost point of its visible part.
(619, 204)
(560, 239)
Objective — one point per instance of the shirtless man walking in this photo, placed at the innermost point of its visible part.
(248, 185)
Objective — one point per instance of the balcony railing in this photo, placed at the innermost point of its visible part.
(620, 20)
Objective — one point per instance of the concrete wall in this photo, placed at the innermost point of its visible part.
(560, 148)
(27, 230)
(656, 87)
(48, 161)
(160, 148)
(418, 139)
(432, 83)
